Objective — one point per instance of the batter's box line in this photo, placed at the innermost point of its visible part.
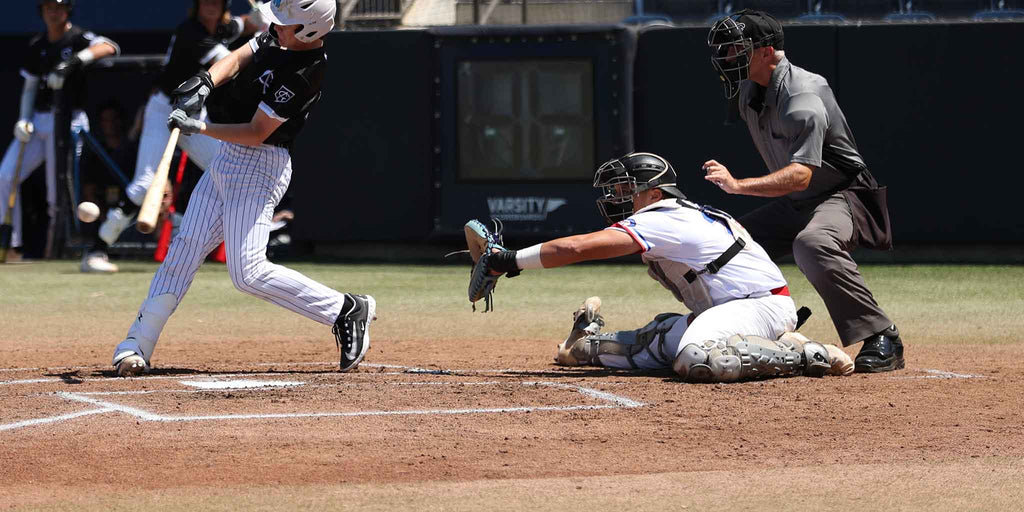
(940, 374)
(616, 402)
(53, 419)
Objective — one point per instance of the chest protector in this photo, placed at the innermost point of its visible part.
(683, 280)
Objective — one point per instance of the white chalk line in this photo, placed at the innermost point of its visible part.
(27, 381)
(107, 406)
(192, 376)
(404, 368)
(138, 413)
(616, 403)
(109, 367)
(280, 388)
(940, 374)
(593, 393)
(52, 419)
(221, 417)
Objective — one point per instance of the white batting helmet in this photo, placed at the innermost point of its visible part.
(315, 16)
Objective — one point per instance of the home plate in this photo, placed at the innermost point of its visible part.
(240, 384)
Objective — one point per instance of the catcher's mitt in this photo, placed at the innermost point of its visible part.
(483, 246)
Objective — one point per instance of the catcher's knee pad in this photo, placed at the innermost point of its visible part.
(740, 357)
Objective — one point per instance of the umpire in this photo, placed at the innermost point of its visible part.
(828, 202)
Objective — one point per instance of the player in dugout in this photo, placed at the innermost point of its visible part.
(53, 62)
(198, 43)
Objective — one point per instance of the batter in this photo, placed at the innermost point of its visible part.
(274, 82)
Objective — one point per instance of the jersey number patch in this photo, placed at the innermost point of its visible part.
(283, 95)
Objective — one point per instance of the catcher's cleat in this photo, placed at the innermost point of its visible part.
(131, 365)
(836, 362)
(352, 329)
(586, 321)
(882, 352)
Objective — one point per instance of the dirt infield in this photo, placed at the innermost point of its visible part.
(460, 411)
(411, 418)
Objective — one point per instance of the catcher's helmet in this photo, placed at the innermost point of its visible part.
(315, 16)
(741, 32)
(620, 179)
(70, 4)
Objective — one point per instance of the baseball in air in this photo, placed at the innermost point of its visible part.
(88, 212)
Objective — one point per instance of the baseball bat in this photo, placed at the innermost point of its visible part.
(149, 212)
(6, 230)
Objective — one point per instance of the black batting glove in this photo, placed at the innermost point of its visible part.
(180, 120)
(55, 79)
(68, 66)
(191, 95)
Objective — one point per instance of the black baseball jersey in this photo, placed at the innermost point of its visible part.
(285, 84)
(43, 56)
(193, 48)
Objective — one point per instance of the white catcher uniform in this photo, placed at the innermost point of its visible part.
(747, 296)
(235, 199)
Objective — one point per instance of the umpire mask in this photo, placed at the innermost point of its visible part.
(622, 178)
(733, 39)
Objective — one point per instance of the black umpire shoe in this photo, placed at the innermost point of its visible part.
(882, 352)
(352, 329)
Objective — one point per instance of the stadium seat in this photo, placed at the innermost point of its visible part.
(647, 19)
(950, 9)
(821, 11)
(906, 13)
(998, 14)
(1001, 10)
(781, 9)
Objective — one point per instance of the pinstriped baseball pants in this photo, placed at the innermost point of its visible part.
(234, 202)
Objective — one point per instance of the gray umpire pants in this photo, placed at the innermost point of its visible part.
(820, 236)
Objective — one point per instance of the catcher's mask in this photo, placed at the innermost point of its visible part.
(622, 178)
(733, 39)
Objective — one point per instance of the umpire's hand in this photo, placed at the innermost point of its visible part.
(179, 119)
(720, 175)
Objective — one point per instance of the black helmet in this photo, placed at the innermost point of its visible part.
(70, 4)
(742, 31)
(623, 177)
(195, 7)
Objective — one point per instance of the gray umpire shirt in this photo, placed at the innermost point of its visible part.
(796, 119)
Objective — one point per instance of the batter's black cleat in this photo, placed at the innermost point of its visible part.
(882, 352)
(352, 329)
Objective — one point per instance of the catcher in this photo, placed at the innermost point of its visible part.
(742, 317)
